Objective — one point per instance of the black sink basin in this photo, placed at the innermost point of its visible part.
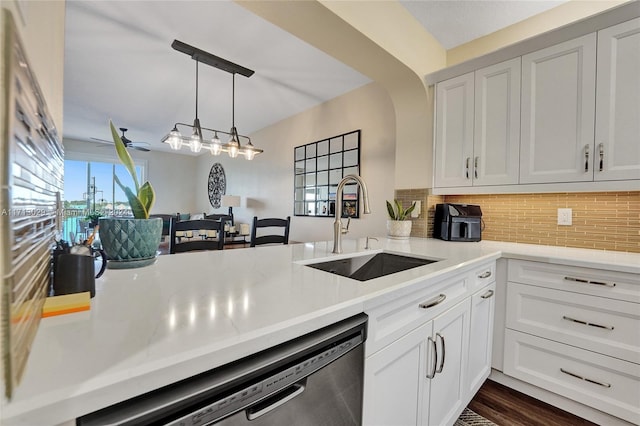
(363, 268)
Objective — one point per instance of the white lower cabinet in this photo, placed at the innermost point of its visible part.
(428, 375)
(575, 332)
(480, 338)
(447, 392)
(394, 379)
(419, 379)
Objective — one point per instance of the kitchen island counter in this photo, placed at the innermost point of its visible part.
(189, 313)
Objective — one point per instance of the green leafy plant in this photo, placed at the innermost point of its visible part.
(144, 196)
(93, 216)
(396, 212)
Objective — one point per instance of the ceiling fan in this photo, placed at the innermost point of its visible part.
(140, 146)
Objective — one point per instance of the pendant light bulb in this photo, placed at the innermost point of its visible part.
(216, 145)
(233, 145)
(249, 151)
(196, 142)
(175, 139)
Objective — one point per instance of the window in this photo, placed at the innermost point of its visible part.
(89, 187)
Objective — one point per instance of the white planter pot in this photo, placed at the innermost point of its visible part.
(399, 229)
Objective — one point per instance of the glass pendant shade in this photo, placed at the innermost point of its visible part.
(233, 146)
(175, 139)
(196, 142)
(249, 151)
(216, 145)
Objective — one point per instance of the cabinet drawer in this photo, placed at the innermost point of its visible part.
(597, 282)
(607, 326)
(604, 383)
(483, 276)
(395, 318)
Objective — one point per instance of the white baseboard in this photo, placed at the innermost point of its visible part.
(573, 407)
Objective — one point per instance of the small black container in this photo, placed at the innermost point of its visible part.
(74, 273)
(458, 222)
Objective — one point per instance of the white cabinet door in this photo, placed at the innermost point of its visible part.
(451, 333)
(617, 137)
(394, 379)
(496, 142)
(558, 112)
(454, 131)
(480, 338)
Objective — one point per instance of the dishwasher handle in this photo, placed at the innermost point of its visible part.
(269, 404)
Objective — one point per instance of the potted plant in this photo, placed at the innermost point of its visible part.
(93, 217)
(131, 242)
(398, 226)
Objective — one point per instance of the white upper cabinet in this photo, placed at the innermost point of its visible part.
(617, 140)
(561, 117)
(478, 127)
(496, 142)
(454, 131)
(558, 112)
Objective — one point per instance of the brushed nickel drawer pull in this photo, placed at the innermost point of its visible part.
(487, 295)
(433, 302)
(439, 370)
(484, 275)
(601, 149)
(577, 376)
(435, 358)
(608, 327)
(585, 281)
(586, 158)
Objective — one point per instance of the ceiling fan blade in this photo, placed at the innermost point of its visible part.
(102, 140)
(139, 148)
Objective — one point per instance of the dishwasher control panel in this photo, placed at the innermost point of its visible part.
(261, 390)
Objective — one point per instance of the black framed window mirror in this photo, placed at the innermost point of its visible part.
(318, 169)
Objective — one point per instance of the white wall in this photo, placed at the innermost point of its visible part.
(172, 175)
(266, 183)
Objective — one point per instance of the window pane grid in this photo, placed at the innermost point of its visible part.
(318, 168)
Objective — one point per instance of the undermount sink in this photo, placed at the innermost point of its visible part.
(363, 268)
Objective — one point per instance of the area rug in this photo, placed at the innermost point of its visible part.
(471, 418)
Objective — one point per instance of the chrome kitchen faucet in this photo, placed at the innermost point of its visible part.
(338, 230)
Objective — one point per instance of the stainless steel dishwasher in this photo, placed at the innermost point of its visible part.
(315, 379)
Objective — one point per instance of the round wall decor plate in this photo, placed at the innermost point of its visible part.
(217, 185)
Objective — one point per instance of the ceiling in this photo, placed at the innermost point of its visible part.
(119, 63)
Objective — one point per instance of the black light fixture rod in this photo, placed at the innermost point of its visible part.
(233, 101)
(210, 59)
(196, 89)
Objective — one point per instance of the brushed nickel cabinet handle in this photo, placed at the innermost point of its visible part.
(433, 302)
(586, 158)
(586, 281)
(607, 327)
(466, 168)
(439, 370)
(487, 295)
(577, 376)
(601, 152)
(435, 358)
(485, 275)
(475, 168)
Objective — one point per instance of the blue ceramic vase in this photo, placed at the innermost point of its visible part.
(128, 242)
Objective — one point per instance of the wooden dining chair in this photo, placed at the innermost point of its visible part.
(205, 239)
(282, 238)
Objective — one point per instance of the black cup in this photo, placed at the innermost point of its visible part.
(74, 273)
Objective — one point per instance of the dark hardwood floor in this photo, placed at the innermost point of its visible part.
(507, 407)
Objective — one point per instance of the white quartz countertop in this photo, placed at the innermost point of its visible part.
(191, 312)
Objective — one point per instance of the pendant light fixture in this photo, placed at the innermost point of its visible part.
(196, 142)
